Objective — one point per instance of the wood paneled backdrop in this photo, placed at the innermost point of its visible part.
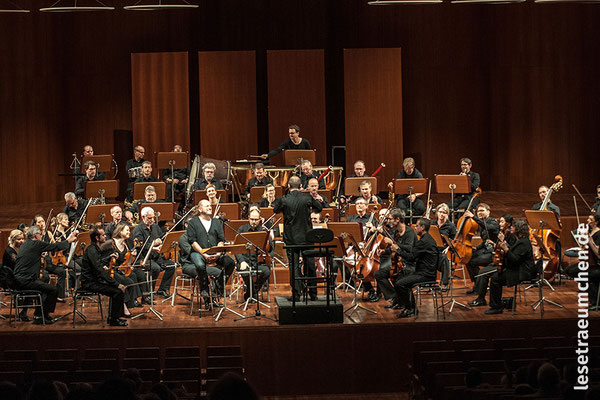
(514, 87)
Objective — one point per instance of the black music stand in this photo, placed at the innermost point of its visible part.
(409, 187)
(295, 157)
(545, 220)
(171, 241)
(98, 212)
(171, 160)
(104, 189)
(453, 184)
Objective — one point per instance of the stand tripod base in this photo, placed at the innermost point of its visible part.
(452, 303)
(357, 306)
(225, 308)
(543, 299)
(151, 309)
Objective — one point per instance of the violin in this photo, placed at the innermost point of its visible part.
(111, 266)
(499, 253)
(467, 227)
(58, 257)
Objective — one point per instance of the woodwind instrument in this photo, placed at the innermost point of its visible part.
(325, 173)
(382, 165)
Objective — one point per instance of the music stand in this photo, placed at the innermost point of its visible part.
(97, 212)
(139, 187)
(356, 230)
(294, 157)
(352, 185)
(171, 160)
(545, 220)
(231, 228)
(104, 189)
(163, 211)
(229, 210)
(171, 241)
(453, 263)
(434, 231)
(453, 184)
(104, 161)
(410, 186)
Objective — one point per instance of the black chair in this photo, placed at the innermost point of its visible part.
(19, 299)
(81, 294)
(433, 287)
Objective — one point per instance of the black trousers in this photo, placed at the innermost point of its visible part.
(418, 207)
(264, 272)
(404, 286)
(497, 280)
(224, 264)
(61, 274)
(115, 306)
(49, 295)
(480, 258)
(382, 276)
(132, 292)
(157, 266)
(482, 282)
(310, 271)
(461, 201)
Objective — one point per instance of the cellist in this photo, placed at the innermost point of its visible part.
(543, 192)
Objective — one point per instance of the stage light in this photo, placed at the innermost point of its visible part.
(403, 2)
(160, 6)
(56, 7)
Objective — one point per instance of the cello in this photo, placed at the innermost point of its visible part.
(369, 261)
(467, 227)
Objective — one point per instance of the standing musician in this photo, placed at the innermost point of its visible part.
(425, 255)
(295, 142)
(15, 239)
(149, 197)
(205, 232)
(517, 265)
(268, 198)
(461, 201)
(593, 270)
(58, 270)
(313, 190)
(482, 282)
(211, 194)
(208, 177)
(132, 165)
(543, 191)
(259, 178)
(296, 208)
(308, 174)
(366, 193)
(409, 172)
(596, 205)
(149, 234)
(117, 214)
(74, 207)
(246, 261)
(484, 253)
(401, 238)
(180, 175)
(27, 271)
(88, 150)
(448, 229)
(95, 277)
(91, 174)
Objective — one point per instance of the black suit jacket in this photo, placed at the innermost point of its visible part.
(296, 208)
(424, 254)
(197, 233)
(551, 207)
(518, 262)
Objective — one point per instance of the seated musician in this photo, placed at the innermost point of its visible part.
(259, 178)
(55, 269)
(74, 207)
(294, 142)
(27, 271)
(205, 232)
(132, 166)
(313, 190)
(91, 174)
(268, 197)
(88, 150)
(593, 271)
(147, 173)
(596, 205)
(307, 174)
(461, 201)
(517, 265)
(208, 177)
(149, 234)
(59, 234)
(399, 237)
(149, 197)
(250, 261)
(359, 169)
(15, 239)
(543, 192)
(117, 215)
(424, 255)
(95, 277)
(404, 201)
(180, 175)
(211, 194)
(366, 193)
(481, 283)
(484, 253)
(447, 229)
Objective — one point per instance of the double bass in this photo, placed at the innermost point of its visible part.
(466, 229)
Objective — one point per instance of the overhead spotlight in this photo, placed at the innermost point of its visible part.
(567, 1)
(14, 9)
(487, 1)
(160, 6)
(56, 7)
(402, 2)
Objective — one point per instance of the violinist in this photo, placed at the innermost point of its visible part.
(482, 281)
(126, 257)
(211, 194)
(399, 237)
(259, 179)
(268, 198)
(596, 205)
(149, 234)
(461, 201)
(447, 229)
(60, 233)
(367, 194)
(543, 192)
(313, 190)
(15, 239)
(308, 174)
(91, 174)
(132, 166)
(74, 207)
(517, 265)
(409, 172)
(117, 214)
(179, 178)
(250, 261)
(424, 255)
(58, 270)
(208, 177)
(484, 253)
(62, 227)
(593, 271)
(95, 277)
(295, 142)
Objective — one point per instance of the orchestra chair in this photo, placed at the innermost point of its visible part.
(433, 287)
(181, 281)
(18, 298)
(81, 294)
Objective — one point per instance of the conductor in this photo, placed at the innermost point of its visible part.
(296, 208)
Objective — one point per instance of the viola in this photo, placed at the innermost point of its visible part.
(111, 266)
(58, 257)
(467, 227)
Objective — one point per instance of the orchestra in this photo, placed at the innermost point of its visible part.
(392, 257)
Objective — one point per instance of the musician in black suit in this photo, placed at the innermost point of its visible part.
(208, 172)
(294, 142)
(518, 265)
(461, 201)
(88, 150)
(296, 208)
(425, 256)
(307, 174)
(205, 232)
(484, 253)
(542, 192)
(74, 207)
(91, 174)
(313, 190)
(409, 172)
(132, 165)
(259, 178)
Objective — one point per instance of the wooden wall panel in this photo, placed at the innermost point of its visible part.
(373, 101)
(227, 84)
(296, 88)
(160, 106)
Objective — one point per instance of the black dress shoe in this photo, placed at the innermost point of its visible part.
(493, 311)
(23, 317)
(127, 315)
(408, 312)
(146, 300)
(136, 304)
(47, 320)
(471, 291)
(477, 303)
(294, 298)
(393, 303)
(117, 322)
(375, 298)
(163, 293)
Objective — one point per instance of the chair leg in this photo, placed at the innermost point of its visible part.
(101, 308)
